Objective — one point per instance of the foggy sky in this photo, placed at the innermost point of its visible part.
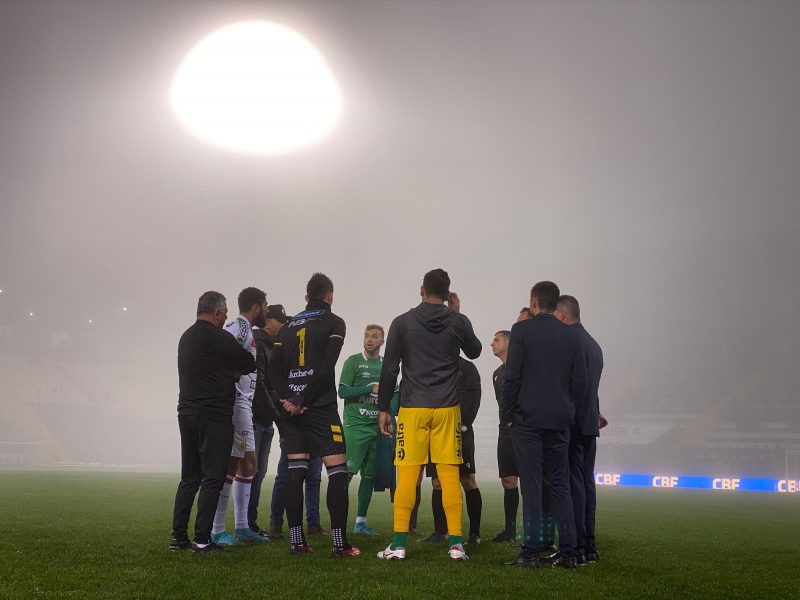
(643, 155)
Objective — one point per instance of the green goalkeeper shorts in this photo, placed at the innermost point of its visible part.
(361, 449)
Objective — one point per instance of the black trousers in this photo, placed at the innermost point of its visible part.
(582, 452)
(544, 453)
(205, 452)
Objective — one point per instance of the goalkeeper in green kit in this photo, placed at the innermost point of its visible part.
(358, 388)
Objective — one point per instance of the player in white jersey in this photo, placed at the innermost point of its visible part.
(242, 466)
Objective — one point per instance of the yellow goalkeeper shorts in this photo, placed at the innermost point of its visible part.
(428, 434)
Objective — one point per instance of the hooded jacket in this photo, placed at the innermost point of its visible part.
(427, 340)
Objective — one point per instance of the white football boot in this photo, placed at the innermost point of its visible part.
(389, 554)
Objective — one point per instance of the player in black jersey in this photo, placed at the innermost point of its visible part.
(506, 465)
(302, 370)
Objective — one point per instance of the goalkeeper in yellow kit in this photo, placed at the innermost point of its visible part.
(427, 340)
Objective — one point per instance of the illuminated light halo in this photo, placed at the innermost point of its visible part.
(256, 87)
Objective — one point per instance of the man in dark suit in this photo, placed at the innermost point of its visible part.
(583, 438)
(545, 373)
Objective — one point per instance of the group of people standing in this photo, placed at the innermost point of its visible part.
(268, 367)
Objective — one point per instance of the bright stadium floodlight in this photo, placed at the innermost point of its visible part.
(256, 87)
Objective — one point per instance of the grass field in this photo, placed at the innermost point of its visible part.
(99, 535)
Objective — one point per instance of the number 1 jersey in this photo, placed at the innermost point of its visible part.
(306, 352)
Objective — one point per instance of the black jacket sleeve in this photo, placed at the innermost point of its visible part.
(276, 370)
(579, 377)
(471, 344)
(470, 390)
(513, 376)
(391, 364)
(238, 359)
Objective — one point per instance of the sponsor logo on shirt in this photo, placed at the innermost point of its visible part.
(301, 318)
(295, 373)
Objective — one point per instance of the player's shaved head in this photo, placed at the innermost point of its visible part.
(570, 307)
(504, 333)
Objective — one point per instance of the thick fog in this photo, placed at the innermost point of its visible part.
(643, 155)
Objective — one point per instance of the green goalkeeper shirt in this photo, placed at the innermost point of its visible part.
(359, 374)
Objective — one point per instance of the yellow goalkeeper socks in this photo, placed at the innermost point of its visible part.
(404, 498)
(451, 499)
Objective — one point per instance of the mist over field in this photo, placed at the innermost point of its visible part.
(644, 156)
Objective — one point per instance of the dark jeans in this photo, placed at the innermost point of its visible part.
(205, 452)
(582, 451)
(263, 441)
(313, 481)
(544, 453)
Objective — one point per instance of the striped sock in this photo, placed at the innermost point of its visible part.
(338, 501)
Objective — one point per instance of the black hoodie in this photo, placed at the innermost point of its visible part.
(428, 340)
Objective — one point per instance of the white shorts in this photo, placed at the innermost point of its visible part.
(243, 439)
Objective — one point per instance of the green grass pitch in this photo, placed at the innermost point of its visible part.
(99, 535)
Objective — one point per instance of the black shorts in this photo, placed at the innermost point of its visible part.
(318, 432)
(467, 467)
(506, 465)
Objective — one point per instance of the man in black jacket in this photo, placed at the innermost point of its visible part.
(210, 361)
(302, 370)
(428, 340)
(545, 374)
(583, 439)
(263, 412)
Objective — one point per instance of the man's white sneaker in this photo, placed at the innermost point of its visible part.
(389, 554)
(457, 553)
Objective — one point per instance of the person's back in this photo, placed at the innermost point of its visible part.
(550, 351)
(588, 415)
(302, 370)
(545, 376)
(305, 344)
(206, 362)
(428, 340)
(209, 360)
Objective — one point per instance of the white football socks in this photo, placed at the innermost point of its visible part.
(222, 506)
(241, 500)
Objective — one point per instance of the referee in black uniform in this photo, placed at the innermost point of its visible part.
(210, 361)
(506, 464)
